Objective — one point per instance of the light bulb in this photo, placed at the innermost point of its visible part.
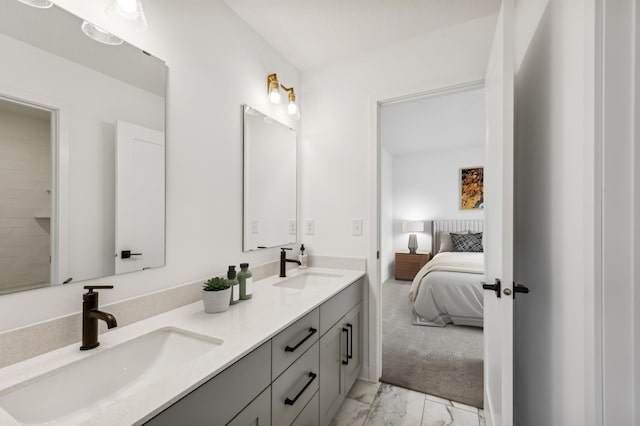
(275, 96)
(127, 8)
(127, 12)
(292, 108)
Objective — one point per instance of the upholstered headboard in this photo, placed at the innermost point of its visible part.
(451, 225)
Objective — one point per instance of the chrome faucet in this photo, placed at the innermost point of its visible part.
(284, 260)
(91, 315)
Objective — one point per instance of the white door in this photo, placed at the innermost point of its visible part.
(498, 231)
(140, 204)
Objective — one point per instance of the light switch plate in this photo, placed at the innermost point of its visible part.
(309, 226)
(356, 227)
(292, 227)
(255, 227)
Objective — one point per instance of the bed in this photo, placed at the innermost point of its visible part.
(448, 289)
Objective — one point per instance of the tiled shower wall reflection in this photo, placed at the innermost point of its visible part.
(25, 196)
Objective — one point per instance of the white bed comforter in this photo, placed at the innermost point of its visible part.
(448, 290)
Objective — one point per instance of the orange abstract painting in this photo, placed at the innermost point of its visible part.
(472, 188)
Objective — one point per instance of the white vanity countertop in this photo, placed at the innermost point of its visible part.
(244, 327)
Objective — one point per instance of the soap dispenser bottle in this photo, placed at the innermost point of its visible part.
(235, 285)
(303, 258)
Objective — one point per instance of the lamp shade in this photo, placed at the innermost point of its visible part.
(412, 226)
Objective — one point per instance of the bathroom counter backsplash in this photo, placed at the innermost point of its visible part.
(242, 328)
(32, 340)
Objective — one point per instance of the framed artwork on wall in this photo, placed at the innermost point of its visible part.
(471, 188)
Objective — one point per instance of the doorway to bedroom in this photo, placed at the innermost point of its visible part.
(432, 153)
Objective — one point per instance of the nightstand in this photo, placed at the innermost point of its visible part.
(408, 265)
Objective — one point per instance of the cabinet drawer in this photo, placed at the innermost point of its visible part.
(221, 398)
(258, 413)
(310, 414)
(292, 342)
(291, 392)
(335, 308)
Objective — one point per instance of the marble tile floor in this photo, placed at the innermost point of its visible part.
(380, 404)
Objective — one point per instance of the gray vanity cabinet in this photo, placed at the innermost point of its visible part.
(299, 377)
(310, 414)
(340, 349)
(222, 398)
(332, 382)
(295, 388)
(353, 321)
(258, 413)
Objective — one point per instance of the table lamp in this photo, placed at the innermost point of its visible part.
(413, 226)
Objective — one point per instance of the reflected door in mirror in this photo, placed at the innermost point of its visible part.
(139, 198)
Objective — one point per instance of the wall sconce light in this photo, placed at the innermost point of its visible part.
(40, 4)
(129, 11)
(292, 108)
(412, 226)
(273, 91)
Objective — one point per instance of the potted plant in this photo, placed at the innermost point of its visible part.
(216, 295)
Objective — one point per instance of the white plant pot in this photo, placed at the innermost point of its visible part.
(216, 301)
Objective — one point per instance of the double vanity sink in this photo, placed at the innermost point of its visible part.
(307, 279)
(85, 385)
(144, 367)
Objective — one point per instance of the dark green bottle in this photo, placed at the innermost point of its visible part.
(245, 278)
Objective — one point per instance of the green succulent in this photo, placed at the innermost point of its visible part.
(216, 284)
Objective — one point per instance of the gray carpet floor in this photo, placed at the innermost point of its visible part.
(444, 362)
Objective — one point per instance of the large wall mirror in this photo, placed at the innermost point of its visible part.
(269, 182)
(82, 152)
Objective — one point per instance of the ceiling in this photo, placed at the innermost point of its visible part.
(312, 33)
(435, 123)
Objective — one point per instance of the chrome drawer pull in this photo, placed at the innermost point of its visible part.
(312, 377)
(312, 331)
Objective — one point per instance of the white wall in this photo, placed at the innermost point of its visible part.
(25, 199)
(426, 186)
(216, 63)
(387, 252)
(554, 214)
(336, 145)
(339, 150)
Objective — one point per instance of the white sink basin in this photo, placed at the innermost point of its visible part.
(303, 279)
(75, 390)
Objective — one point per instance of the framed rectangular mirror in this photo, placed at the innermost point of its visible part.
(82, 143)
(270, 154)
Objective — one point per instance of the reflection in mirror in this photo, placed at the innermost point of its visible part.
(25, 196)
(74, 188)
(269, 182)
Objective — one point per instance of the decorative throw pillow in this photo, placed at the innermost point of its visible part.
(478, 233)
(446, 244)
(467, 242)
